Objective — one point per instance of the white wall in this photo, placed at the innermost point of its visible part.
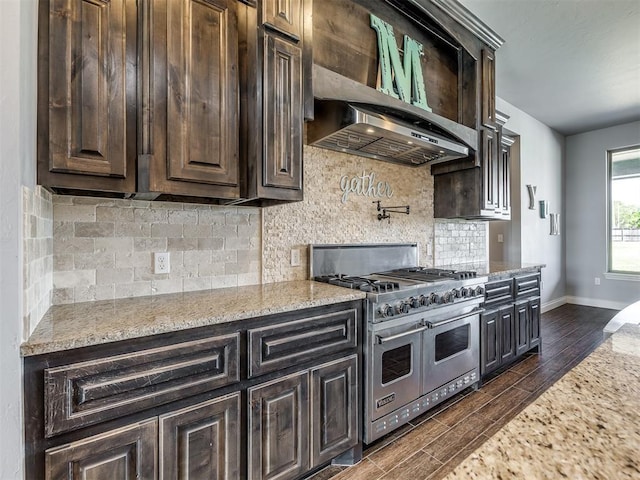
(586, 217)
(17, 147)
(541, 164)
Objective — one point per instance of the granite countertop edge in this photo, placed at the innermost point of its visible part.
(70, 326)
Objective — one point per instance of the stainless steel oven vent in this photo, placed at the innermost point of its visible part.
(360, 131)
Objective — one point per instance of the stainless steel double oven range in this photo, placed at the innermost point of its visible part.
(422, 325)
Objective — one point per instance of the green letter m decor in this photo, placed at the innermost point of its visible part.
(407, 75)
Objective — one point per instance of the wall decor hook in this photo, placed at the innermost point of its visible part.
(532, 196)
(385, 212)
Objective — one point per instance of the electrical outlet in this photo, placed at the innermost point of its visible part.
(429, 248)
(161, 262)
(500, 238)
(295, 257)
(596, 280)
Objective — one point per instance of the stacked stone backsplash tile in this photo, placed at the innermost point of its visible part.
(323, 218)
(103, 248)
(37, 211)
(460, 241)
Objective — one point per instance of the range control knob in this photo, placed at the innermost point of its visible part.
(479, 290)
(434, 298)
(424, 301)
(457, 293)
(447, 297)
(414, 302)
(402, 307)
(386, 310)
(467, 292)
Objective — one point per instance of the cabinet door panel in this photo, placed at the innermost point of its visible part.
(284, 16)
(128, 453)
(507, 334)
(534, 322)
(202, 441)
(488, 89)
(334, 409)
(504, 181)
(279, 428)
(522, 324)
(491, 179)
(282, 114)
(202, 91)
(91, 94)
(490, 342)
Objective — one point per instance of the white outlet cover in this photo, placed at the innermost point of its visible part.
(161, 262)
(295, 257)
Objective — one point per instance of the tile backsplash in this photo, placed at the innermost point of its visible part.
(79, 249)
(103, 248)
(37, 249)
(460, 241)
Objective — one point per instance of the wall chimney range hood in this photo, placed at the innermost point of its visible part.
(369, 131)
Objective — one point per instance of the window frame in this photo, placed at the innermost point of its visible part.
(609, 272)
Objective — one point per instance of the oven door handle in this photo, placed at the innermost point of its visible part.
(382, 340)
(454, 319)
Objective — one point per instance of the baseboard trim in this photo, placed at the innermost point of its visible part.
(555, 303)
(596, 302)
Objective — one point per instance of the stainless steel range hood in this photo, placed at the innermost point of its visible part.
(367, 131)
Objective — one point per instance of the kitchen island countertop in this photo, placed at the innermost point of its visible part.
(496, 270)
(587, 425)
(64, 327)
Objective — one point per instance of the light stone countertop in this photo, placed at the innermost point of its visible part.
(586, 426)
(64, 327)
(495, 269)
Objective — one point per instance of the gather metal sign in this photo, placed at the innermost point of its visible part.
(364, 185)
(400, 78)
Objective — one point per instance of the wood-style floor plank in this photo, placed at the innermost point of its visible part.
(435, 443)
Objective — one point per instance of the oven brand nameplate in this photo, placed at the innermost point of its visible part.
(385, 400)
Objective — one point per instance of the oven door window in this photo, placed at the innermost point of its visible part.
(452, 341)
(396, 363)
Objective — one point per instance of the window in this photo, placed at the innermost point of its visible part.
(624, 210)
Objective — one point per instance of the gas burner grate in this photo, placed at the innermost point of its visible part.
(430, 274)
(359, 283)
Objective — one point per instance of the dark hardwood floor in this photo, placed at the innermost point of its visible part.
(431, 446)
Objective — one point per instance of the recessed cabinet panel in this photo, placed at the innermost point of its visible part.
(490, 342)
(201, 92)
(488, 89)
(534, 324)
(128, 453)
(490, 170)
(334, 409)
(202, 441)
(279, 428)
(87, 116)
(282, 121)
(284, 16)
(522, 327)
(507, 329)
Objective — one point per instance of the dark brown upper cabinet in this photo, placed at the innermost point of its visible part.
(488, 90)
(193, 100)
(87, 94)
(139, 97)
(274, 53)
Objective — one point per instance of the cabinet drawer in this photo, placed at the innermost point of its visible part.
(527, 286)
(90, 392)
(285, 344)
(497, 293)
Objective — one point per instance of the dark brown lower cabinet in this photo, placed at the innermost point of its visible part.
(302, 420)
(510, 327)
(197, 442)
(498, 338)
(186, 405)
(201, 441)
(127, 453)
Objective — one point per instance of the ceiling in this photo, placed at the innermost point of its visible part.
(574, 65)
